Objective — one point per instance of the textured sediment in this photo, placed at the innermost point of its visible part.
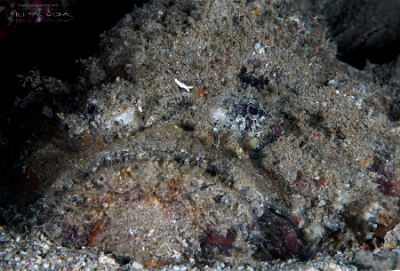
(280, 157)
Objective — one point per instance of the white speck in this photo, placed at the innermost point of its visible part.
(259, 49)
(106, 260)
(332, 82)
(295, 19)
(322, 203)
(149, 122)
(182, 85)
(126, 117)
(137, 265)
(359, 103)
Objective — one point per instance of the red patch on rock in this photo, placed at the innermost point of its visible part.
(388, 184)
(210, 239)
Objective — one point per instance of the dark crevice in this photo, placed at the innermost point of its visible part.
(363, 30)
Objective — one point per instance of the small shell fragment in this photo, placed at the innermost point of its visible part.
(182, 85)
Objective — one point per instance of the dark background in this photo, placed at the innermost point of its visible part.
(52, 48)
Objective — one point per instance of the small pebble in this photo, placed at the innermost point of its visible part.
(137, 265)
(45, 265)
